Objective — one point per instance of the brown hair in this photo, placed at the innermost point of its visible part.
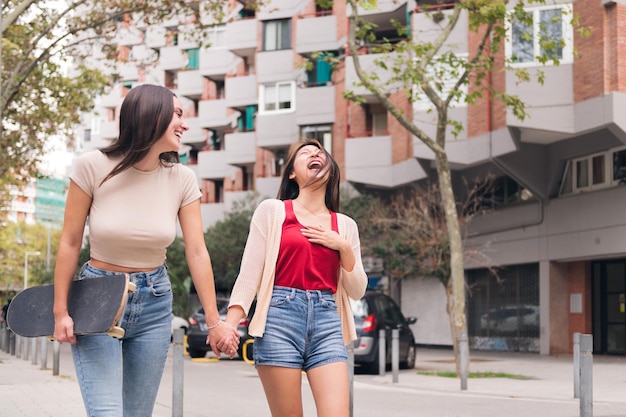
(145, 115)
(289, 189)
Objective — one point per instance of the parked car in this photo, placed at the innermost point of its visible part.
(179, 323)
(196, 337)
(373, 312)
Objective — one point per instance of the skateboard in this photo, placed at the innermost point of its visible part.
(95, 304)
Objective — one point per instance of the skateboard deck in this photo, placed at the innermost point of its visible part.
(95, 304)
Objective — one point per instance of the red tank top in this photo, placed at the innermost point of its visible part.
(302, 264)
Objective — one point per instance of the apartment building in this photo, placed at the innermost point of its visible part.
(556, 237)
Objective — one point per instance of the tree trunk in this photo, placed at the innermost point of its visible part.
(457, 274)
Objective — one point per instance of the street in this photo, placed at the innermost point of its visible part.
(231, 388)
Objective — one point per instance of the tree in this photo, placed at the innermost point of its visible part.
(47, 80)
(180, 277)
(433, 70)
(226, 240)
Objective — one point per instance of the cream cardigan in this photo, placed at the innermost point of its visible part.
(258, 267)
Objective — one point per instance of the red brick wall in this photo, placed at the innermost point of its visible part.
(402, 140)
(591, 63)
(580, 283)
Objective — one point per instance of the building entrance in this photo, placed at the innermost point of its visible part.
(609, 307)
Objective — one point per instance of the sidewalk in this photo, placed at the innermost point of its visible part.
(28, 391)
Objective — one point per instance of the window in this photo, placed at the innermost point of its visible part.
(320, 73)
(276, 35)
(216, 36)
(277, 97)
(323, 134)
(594, 172)
(193, 58)
(543, 32)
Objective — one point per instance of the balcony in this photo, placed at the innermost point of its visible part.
(368, 65)
(172, 58)
(109, 129)
(382, 7)
(369, 161)
(273, 66)
(315, 105)
(241, 37)
(280, 9)
(215, 63)
(276, 130)
(128, 36)
(267, 187)
(196, 136)
(214, 114)
(190, 84)
(212, 165)
(128, 71)
(241, 91)
(315, 34)
(155, 37)
(240, 148)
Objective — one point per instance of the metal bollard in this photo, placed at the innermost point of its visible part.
(395, 354)
(382, 354)
(586, 375)
(350, 352)
(178, 373)
(56, 353)
(12, 343)
(33, 351)
(576, 357)
(44, 353)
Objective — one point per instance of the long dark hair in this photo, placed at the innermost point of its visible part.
(289, 189)
(145, 115)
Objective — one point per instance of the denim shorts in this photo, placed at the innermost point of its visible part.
(303, 330)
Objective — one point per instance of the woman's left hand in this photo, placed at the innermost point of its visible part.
(223, 339)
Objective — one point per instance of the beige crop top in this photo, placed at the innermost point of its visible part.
(133, 216)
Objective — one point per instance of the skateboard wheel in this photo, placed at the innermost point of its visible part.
(116, 332)
(132, 287)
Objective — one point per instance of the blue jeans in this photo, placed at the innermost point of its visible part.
(302, 331)
(121, 377)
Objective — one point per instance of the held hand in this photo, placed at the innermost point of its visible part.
(224, 339)
(324, 237)
(64, 330)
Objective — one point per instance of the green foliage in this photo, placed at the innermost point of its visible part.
(226, 240)
(15, 240)
(180, 277)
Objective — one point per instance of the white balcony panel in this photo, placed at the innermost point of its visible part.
(424, 29)
(128, 71)
(368, 65)
(190, 84)
(315, 34)
(369, 161)
(142, 55)
(196, 135)
(214, 114)
(242, 36)
(217, 62)
(112, 99)
(156, 37)
(276, 130)
(212, 165)
(129, 36)
(267, 187)
(240, 148)
(280, 9)
(273, 66)
(212, 213)
(187, 37)
(315, 105)
(109, 130)
(172, 58)
(241, 91)
(382, 6)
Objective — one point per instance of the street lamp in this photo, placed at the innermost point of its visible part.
(26, 254)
